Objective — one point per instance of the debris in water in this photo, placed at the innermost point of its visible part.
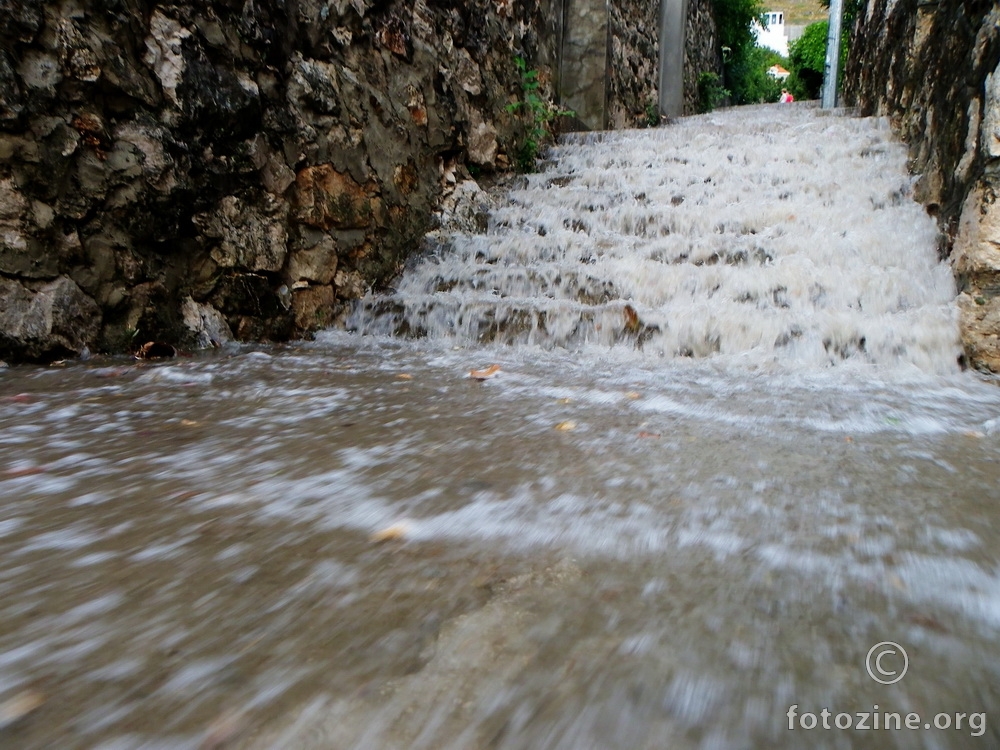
(632, 322)
(395, 533)
(27, 471)
(486, 374)
(18, 707)
(404, 376)
(633, 395)
(155, 350)
(227, 727)
(644, 434)
(566, 426)
(189, 423)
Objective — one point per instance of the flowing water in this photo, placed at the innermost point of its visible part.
(728, 450)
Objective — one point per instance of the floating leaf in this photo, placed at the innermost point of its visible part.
(25, 472)
(189, 423)
(226, 728)
(486, 374)
(18, 707)
(644, 434)
(565, 401)
(404, 376)
(632, 395)
(395, 533)
(155, 350)
(632, 322)
(566, 426)
(927, 621)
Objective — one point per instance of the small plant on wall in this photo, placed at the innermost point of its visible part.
(711, 92)
(538, 113)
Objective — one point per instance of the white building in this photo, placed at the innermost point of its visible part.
(774, 36)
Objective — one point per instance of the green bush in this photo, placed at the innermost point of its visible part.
(538, 113)
(807, 58)
(711, 92)
(745, 64)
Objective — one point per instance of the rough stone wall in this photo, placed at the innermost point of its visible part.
(701, 52)
(934, 69)
(633, 71)
(633, 68)
(193, 171)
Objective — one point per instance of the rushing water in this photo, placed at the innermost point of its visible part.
(649, 529)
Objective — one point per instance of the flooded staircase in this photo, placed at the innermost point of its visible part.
(775, 233)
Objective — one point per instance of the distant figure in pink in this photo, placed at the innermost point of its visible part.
(786, 96)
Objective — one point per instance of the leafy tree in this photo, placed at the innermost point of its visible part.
(807, 58)
(734, 19)
(750, 81)
(851, 9)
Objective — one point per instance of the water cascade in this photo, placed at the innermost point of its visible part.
(727, 449)
(759, 234)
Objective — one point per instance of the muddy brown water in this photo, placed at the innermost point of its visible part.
(727, 454)
(186, 552)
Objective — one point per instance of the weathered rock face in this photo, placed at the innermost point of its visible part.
(934, 69)
(192, 171)
(701, 52)
(634, 69)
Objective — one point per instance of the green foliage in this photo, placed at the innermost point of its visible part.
(851, 9)
(652, 113)
(733, 19)
(538, 113)
(749, 80)
(807, 59)
(809, 51)
(744, 63)
(711, 92)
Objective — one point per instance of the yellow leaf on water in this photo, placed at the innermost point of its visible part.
(18, 707)
(632, 322)
(489, 372)
(566, 426)
(404, 376)
(189, 423)
(395, 533)
(632, 395)
(565, 401)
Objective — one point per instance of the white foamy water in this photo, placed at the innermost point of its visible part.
(350, 543)
(762, 233)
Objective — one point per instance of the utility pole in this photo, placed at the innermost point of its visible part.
(832, 55)
(673, 29)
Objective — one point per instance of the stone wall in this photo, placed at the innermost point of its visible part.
(934, 69)
(634, 68)
(194, 171)
(701, 53)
